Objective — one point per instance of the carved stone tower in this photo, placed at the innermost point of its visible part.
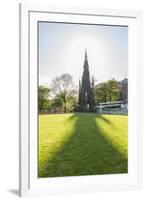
(86, 99)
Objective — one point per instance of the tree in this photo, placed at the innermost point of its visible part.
(43, 98)
(72, 101)
(101, 93)
(63, 87)
(123, 89)
(113, 90)
(56, 103)
(107, 91)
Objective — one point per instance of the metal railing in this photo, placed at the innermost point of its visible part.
(115, 107)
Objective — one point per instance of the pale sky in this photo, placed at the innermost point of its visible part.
(62, 49)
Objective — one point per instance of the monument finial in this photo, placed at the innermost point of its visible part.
(85, 54)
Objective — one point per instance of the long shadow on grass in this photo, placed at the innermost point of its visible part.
(86, 152)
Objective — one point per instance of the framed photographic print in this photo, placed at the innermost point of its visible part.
(80, 100)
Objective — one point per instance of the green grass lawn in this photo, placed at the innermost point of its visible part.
(82, 144)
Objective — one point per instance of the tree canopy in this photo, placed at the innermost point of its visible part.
(63, 87)
(43, 98)
(107, 91)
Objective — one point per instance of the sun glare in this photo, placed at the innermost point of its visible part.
(97, 51)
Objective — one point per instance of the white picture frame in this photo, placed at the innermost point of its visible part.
(29, 184)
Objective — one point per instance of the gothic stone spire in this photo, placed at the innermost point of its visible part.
(86, 100)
